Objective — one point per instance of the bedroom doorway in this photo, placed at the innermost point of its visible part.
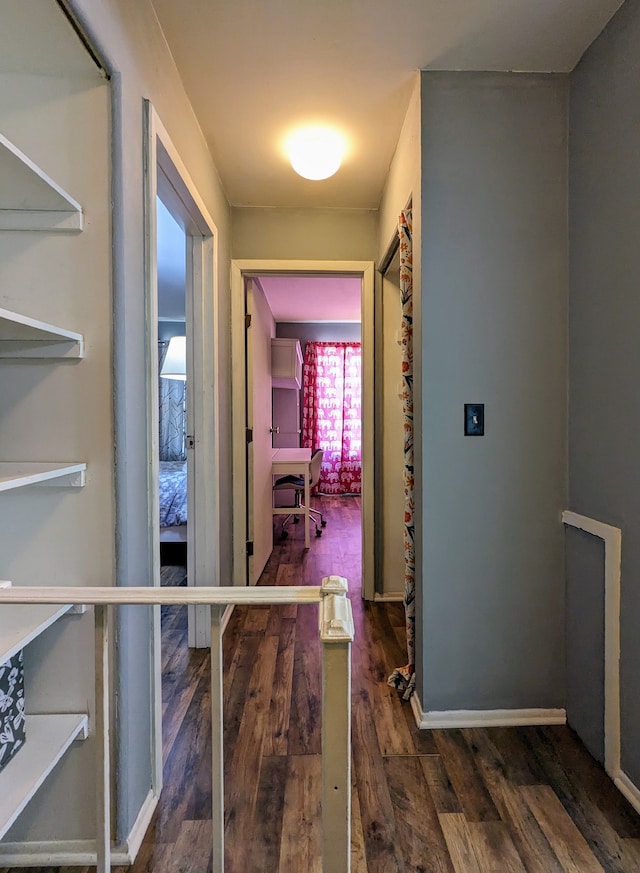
(171, 198)
(173, 408)
(318, 320)
(242, 271)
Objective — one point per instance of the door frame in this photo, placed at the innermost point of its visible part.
(249, 267)
(164, 169)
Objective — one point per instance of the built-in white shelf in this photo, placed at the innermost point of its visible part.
(22, 623)
(29, 199)
(24, 337)
(47, 739)
(18, 475)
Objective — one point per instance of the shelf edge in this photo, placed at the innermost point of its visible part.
(77, 727)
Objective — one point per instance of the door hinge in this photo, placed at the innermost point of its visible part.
(247, 319)
(249, 434)
(249, 548)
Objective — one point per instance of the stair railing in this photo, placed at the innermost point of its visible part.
(336, 632)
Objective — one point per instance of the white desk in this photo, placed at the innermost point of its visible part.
(295, 462)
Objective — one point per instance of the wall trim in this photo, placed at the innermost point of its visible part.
(628, 788)
(468, 718)
(58, 853)
(392, 597)
(612, 537)
(79, 853)
(136, 834)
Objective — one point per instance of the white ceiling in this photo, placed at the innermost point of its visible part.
(313, 298)
(254, 69)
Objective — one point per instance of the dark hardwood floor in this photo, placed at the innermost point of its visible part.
(502, 800)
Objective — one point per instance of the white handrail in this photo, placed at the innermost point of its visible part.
(336, 632)
(267, 595)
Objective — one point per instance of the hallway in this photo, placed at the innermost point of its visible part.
(472, 801)
(513, 800)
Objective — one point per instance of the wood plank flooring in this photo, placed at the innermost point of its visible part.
(501, 800)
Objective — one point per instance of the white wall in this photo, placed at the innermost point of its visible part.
(332, 234)
(402, 186)
(404, 174)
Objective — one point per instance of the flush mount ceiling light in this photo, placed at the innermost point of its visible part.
(315, 152)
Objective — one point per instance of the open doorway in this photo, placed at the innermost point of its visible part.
(260, 279)
(171, 196)
(172, 396)
(316, 405)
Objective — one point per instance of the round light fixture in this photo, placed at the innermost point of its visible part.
(316, 152)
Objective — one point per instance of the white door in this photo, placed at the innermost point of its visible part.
(259, 449)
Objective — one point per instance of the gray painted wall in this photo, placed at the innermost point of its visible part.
(605, 320)
(494, 326)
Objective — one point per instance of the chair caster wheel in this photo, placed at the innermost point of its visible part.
(284, 534)
(323, 523)
(296, 520)
(318, 533)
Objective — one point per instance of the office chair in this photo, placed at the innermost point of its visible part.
(296, 484)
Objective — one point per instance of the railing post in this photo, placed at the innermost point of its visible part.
(217, 762)
(103, 769)
(336, 634)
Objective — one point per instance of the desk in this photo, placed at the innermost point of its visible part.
(295, 462)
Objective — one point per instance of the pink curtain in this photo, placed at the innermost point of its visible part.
(331, 413)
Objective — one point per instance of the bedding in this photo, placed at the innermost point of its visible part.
(173, 493)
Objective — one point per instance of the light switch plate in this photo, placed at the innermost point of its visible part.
(474, 419)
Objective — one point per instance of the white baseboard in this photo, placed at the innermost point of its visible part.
(467, 718)
(416, 706)
(392, 597)
(79, 853)
(136, 834)
(628, 788)
(57, 853)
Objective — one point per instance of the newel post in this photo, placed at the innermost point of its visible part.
(336, 634)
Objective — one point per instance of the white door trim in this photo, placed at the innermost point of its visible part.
(245, 267)
(202, 255)
(612, 538)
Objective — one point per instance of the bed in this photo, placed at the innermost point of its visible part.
(173, 495)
